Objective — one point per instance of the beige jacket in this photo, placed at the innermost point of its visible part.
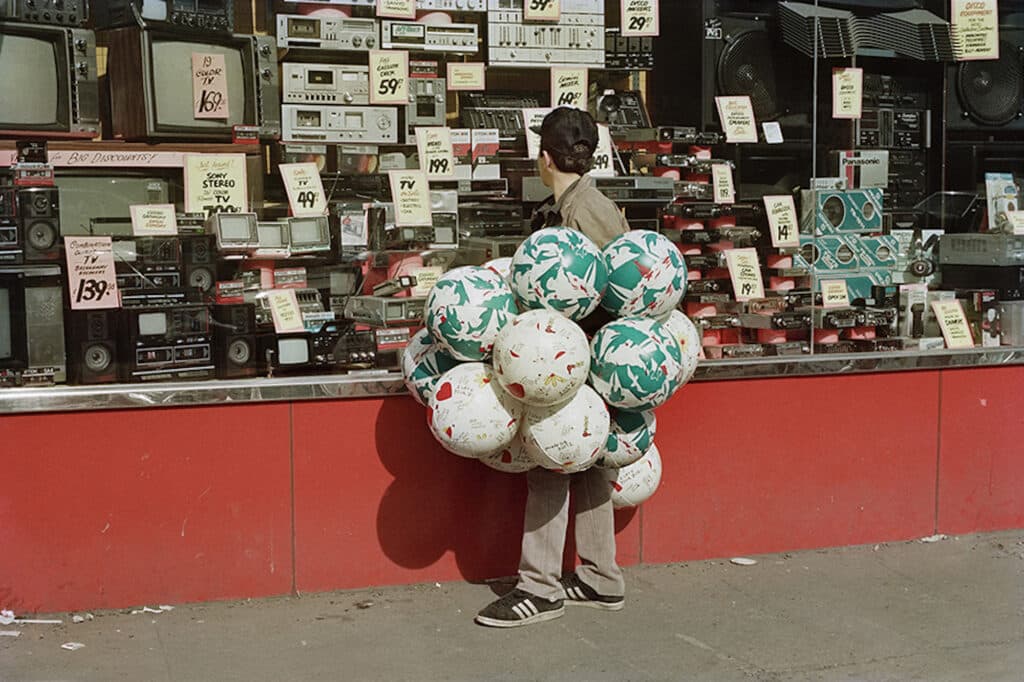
(582, 207)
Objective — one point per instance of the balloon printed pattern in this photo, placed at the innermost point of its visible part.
(559, 269)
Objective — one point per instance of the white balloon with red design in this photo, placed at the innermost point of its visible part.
(570, 437)
(423, 363)
(683, 330)
(635, 484)
(512, 459)
(541, 358)
(502, 266)
(470, 414)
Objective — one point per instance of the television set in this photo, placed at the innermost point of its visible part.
(31, 325)
(49, 87)
(99, 205)
(150, 77)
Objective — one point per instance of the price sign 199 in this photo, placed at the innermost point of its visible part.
(438, 167)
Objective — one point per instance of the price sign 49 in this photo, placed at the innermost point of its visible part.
(640, 18)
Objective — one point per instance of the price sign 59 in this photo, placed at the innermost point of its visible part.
(640, 18)
(542, 10)
(389, 77)
(91, 276)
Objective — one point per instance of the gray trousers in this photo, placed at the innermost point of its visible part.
(547, 518)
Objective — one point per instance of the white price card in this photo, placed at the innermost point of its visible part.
(745, 272)
(434, 145)
(975, 29)
(603, 165)
(737, 116)
(411, 196)
(153, 220)
(782, 220)
(92, 282)
(772, 132)
(389, 77)
(467, 76)
(835, 293)
(721, 180)
(847, 92)
(533, 117)
(569, 86)
(396, 9)
(542, 10)
(426, 278)
(215, 183)
(640, 18)
(1016, 221)
(284, 309)
(953, 323)
(210, 86)
(305, 189)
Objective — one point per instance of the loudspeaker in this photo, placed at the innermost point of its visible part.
(737, 49)
(92, 346)
(234, 340)
(199, 262)
(39, 215)
(988, 95)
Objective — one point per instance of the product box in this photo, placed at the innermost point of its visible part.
(981, 307)
(485, 154)
(913, 310)
(863, 168)
(462, 150)
(1002, 195)
(853, 210)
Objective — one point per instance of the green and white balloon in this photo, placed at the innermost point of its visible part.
(646, 275)
(466, 309)
(631, 436)
(559, 269)
(685, 332)
(635, 363)
(423, 363)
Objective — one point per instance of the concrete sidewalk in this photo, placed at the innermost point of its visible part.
(948, 610)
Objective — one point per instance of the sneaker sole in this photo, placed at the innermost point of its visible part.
(599, 605)
(539, 618)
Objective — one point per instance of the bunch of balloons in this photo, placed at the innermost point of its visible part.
(508, 376)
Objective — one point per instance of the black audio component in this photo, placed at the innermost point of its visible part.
(503, 111)
(166, 342)
(988, 95)
(621, 110)
(92, 346)
(908, 179)
(208, 15)
(39, 218)
(54, 12)
(1008, 281)
(31, 325)
(199, 262)
(628, 53)
(234, 340)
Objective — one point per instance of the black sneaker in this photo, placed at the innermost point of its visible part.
(581, 594)
(519, 608)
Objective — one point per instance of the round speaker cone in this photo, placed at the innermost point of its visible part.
(834, 211)
(42, 235)
(990, 90)
(98, 358)
(201, 279)
(747, 67)
(239, 352)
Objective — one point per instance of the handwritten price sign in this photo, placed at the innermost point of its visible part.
(389, 77)
(782, 220)
(975, 29)
(305, 189)
(209, 86)
(847, 92)
(542, 10)
(93, 283)
(215, 183)
(464, 76)
(640, 18)
(411, 194)
(736, 112)
(569, 87)
(745, 271)
(285, 311)
(435, 149)
(603, 166)
(953, 324)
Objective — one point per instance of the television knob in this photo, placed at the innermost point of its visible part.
(371, 41)
(80, 44)
(83, 68)
(348, 98)
(358, 40)
(267, 74)
(265, 50)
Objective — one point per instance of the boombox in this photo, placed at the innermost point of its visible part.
(31, 326)
(61, 13)
(332, 125)
(147, 262)
(209, 15)
(234, 341)
(327, 33)
(164, 343)
(325, 83)
(93, 346)
(417, 37)
(29, 225)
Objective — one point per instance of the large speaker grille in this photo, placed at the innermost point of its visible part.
(747, 67)
(990, 90)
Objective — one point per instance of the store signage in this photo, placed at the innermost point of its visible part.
(569, 87)
(782, 220)
(975, 28)
(426, 278)
(1016, 221)
(533, 117)
(153, 220)
(542, 10)
(389, 77)
(640, 18)
(736, 113)
(835, 294)
(411, 195)
(847, 92)
(466, 76)
(953, 323)
(284, 309)
(772, 132)
(397, 9)
(215, 183)
(721, 181)
(92, 282)
(603, 166)
(209, 86)
(305, 189)
(437, 159)
(745, 272)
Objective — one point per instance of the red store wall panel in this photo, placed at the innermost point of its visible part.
(770, 465)
(378, 502)
(981, 462)
(112, 509)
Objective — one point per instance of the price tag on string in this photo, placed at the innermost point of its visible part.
(542, 10)
(389, 77)
(782, 220)
(737, 116)
(721, 179)
(284, 309)
(210, 86)
(467, 76)
(397, 9)
(92, 282)
(216, 183)
(953, 323)
(305, 189)
(437, 159)
(569, 87)
(640, 18)
(835, 293)
(745, 272)
(975, 29)
(604, 159)
(154, 220)
(411, 196)
(847, 93)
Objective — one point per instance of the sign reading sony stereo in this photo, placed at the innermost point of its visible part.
(389, 77)
(542, 10)
(305, 189)
(975, 28)
(569, 87)
(435, 149)
(411, 196)
(92, 281)
(397, 9)
(209, 86)
(215, 183)
(640, 18)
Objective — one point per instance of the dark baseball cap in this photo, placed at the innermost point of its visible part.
(569, 132)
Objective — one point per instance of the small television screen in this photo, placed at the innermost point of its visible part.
(152, 324)
(305, 232)
(271, 235)
(30, 94)
(172, 84)
(292, 351)
(234, 228)
(6, 339)
(99, 204)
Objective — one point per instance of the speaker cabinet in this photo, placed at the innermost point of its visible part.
(988, 95)
(92, 346)
(39, 214)
(199, 260)
(235, 351)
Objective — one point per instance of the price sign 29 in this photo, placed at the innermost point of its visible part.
(640, 18)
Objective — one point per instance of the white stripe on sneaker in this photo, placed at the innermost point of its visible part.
(520, 610)
(532, 607)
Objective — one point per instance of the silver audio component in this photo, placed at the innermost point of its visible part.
(330, 124)
(325, 83)
(327, 33)
(411, 35)
(577, 38)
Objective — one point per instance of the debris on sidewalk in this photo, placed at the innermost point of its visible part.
(147, 609)
(77, 618)
(72, 646)
(7, 617)
(743, 561)
(364, 604)
(934, 538)
(10, 633)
